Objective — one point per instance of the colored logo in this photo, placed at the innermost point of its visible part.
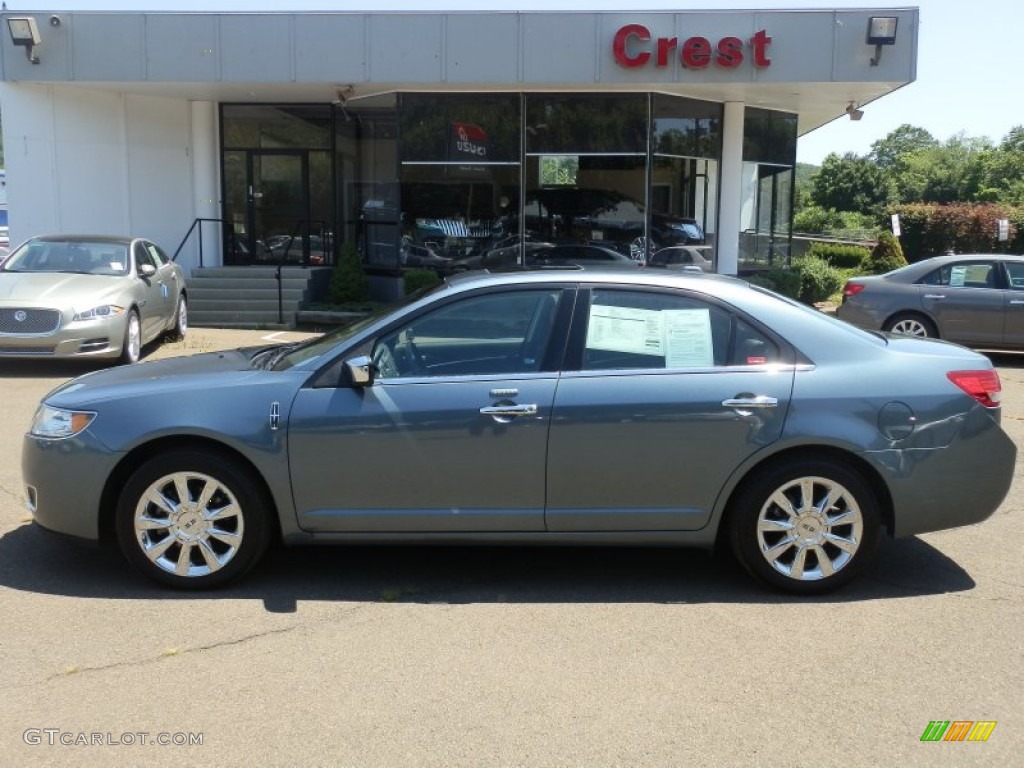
(958, 730)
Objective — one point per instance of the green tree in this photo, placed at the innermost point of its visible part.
(1003, 172)
(953, 171)
(891, 152)
(852, 183)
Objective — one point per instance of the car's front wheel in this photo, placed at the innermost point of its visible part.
(805, 527)
(192, 519)
(131, 345)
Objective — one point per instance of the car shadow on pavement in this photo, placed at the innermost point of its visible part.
(31, 560)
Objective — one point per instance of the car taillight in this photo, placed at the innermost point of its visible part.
(983, 386)
(852, 289)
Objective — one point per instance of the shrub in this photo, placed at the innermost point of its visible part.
(780, 280)
(819, 280)
(928, 230)
(416, 279)
(816, 220)
(349, 282)
(886, 256)
(839, 255)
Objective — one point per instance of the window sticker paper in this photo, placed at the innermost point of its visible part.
(624, 329)
(688, 338)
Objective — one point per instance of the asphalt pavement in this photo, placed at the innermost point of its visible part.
(398, 656)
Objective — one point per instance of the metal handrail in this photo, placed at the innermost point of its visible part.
(198, 222)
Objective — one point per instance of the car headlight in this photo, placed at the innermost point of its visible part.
(57, 422)
(97, 313)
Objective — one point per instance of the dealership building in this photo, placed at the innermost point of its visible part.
(246, 139)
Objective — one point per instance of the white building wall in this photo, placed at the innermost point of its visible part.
(96, 162)
(159, 173)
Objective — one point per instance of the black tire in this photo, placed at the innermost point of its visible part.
(131, 345)
(911, 324)
(180, 327)
(796, 550)
(186, 548)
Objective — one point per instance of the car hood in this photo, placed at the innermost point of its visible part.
(57, 289)
(192, 374)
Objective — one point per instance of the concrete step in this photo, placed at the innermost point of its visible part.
(247, 297)
(231, 304)
(256, 272)
(231, 283)
(241, 318)
(203, 293)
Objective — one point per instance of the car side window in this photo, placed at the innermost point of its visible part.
(639, 329)
(494, 333)
(1015, 271)
(977, 274)
(142, 256)
(159, 259)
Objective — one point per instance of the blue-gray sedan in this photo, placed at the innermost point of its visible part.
(570, 406)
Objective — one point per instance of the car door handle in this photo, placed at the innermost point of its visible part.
(935, 295)
(760, 401)
(509, 410)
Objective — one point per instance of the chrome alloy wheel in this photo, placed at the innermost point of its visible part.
(189, 524)
(910, 326)
(133, 339)
(810, 528)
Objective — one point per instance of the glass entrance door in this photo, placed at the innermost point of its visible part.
(279, 205)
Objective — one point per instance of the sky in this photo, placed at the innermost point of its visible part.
(970, 57)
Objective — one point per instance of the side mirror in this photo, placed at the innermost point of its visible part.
(146, 270)
(359, 371)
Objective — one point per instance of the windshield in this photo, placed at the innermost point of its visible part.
(76, 256)
(314, 348)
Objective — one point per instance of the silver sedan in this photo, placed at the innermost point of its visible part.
(972, 299)
(89, 297)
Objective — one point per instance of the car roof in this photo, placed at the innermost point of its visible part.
(118, 239)
(573, 274)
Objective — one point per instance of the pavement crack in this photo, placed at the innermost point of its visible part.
(81, 670)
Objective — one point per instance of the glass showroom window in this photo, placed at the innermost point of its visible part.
(586, 170)
(278, 193)
(769, 157)
(460, 176)
(366, 168)
(686, 145)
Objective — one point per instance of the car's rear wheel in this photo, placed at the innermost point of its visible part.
(805, 527)
(131, 346)
(912, 325)
(192, 519)
(180, 328)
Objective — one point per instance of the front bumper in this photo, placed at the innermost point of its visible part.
(102, 338)
(64, 482)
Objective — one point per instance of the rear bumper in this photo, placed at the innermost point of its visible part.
(960, 484)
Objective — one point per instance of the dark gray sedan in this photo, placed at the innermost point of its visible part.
(972, 299)
(567, 405)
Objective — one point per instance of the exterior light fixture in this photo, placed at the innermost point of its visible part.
(881, 31)
(853, 112)
(25, 32)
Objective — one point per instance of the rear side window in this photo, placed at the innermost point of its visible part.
(1015, 271)
(641, 329)
(978, 274)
